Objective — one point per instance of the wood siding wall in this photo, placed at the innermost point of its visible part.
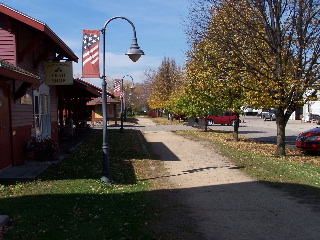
(7, 43)
(25, 36)
(21, 114)
(14, 39)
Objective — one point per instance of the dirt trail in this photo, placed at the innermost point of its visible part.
(221, 201)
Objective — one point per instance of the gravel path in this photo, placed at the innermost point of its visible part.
(218, 200)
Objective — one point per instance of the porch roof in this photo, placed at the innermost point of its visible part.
(8, 70)
(98, 101)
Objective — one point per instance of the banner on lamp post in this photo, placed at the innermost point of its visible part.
(59, 73)
(90, 54)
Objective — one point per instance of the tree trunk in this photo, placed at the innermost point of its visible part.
(236, 129)
(281, 133)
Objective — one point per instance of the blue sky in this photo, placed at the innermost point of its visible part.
(159, 26)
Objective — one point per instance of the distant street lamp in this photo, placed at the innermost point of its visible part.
(122, 95)
(134, 54)
(132, 87)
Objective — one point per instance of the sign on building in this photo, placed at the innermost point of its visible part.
(59, 73)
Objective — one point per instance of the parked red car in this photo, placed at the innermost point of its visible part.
(228, 118)
(309, 141)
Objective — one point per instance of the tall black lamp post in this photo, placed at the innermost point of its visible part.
(134, 54)
(122, 102)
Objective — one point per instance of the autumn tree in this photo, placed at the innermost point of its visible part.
(139, 97)
(214, 86)
(166, 81)
(271, 48)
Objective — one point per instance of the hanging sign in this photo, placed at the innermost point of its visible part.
(59, 73)
(26, 99)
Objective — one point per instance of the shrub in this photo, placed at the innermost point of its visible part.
(44, 149)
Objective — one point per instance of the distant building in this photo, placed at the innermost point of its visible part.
(112, 109)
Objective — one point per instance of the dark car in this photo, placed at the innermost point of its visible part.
(309, 141)
(316, 119)
(179, 116)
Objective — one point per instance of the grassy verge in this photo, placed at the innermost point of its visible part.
(69, 201)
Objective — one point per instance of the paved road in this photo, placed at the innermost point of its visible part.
(266, 131)
(251, 127)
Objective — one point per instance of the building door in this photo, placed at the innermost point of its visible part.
(5, 127)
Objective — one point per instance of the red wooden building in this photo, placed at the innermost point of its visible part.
(113, 109)
(29, 107)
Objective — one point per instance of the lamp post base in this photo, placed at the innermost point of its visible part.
(106, 179)
(121, 117)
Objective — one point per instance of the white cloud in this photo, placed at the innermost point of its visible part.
(158, 24)
(119, 65)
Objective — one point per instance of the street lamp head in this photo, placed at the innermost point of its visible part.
(132, 87)
(134, 52)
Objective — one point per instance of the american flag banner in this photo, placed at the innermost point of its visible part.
(117, 87)
(90, 54)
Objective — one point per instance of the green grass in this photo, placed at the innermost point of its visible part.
(69, 201)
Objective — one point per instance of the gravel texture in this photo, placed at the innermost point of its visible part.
(208, 197)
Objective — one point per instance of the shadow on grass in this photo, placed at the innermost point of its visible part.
(304, 194)
(247, 207)
(78, 216)
(86, 161)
